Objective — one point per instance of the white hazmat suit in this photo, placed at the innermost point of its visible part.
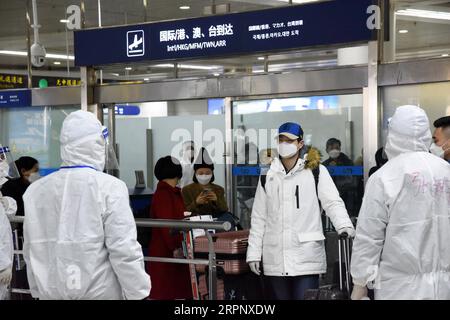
(403, 234)
(8, 208)
(6, 251)
(80, 234)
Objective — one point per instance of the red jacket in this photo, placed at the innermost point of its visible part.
(169, 281)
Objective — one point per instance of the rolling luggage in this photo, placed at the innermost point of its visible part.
(230, 249)
(234, 242)
(229, 265)
(342, 290)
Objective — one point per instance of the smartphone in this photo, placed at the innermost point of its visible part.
(206, 191)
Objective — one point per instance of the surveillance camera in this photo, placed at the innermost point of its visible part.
(37, 55)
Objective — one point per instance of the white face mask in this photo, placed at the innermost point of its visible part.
(287, 150)
(203, 178)
(334, 154)
(437, 150)
(34, 177)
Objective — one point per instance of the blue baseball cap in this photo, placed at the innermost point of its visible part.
(291, 130)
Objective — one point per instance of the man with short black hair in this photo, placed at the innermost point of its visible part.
(441, 138)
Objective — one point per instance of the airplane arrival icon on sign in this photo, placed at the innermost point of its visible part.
(135, 43)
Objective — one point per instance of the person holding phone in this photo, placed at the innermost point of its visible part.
(203, 197)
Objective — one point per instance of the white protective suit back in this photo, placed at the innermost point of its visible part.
(80, 233)
(403, 232)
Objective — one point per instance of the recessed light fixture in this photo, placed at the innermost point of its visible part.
(128, 68)
(261, 58)
(216, 74)
(57, 62)
(186, 66)
(48, 55)
(403, 31)
(64, 20)
(418, 13)
(185, 7)
(146, 79)
(444, 55)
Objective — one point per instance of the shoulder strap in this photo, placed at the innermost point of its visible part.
(316, 173)
(263, 178)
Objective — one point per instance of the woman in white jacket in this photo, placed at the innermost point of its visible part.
(286, 229)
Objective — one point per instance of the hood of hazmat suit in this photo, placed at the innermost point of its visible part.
(80, 234)
(402, 244)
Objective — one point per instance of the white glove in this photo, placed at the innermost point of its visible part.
(359, 293)
(10, 205)
(255, 266)
(5, 276)
(350, 231)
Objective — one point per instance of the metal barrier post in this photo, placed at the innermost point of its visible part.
(212, 267)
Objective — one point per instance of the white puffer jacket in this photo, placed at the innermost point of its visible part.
(286, 237)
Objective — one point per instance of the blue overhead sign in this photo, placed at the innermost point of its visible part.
(324, 23)
(127, 110)
(15, 98)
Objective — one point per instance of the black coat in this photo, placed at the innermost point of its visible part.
(15, 188)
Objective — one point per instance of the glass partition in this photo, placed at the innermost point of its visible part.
(434, 98)
(34, 132)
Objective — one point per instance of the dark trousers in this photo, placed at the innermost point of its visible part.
(292, 288)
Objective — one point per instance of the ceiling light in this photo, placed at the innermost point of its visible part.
(59, 56)
(64, 20)
(216, 74)
(146, 79)
(299, 1)
(185, 66)
(188, 66)
(261, 58)
(128, 68)
(258, 71)
(57, 62)
(48, 55)
(185, 7)
(403, 31)
(440, 15)
(444, 55)
(163, 65)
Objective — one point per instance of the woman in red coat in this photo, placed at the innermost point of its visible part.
(169, 281)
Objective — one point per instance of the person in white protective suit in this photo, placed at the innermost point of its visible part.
(187, 163)
(286, 231)
(80, 234)
(402, 243)
(8, 208)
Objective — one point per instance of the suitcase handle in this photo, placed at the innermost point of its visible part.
(343, 236)
(344, 256)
